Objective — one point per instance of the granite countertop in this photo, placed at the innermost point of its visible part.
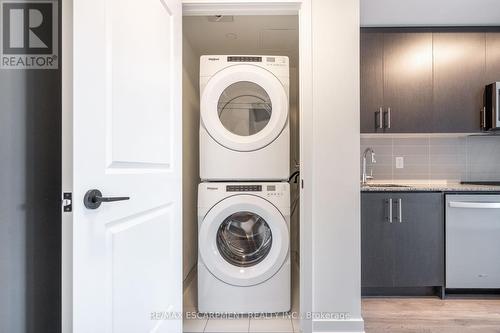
(429, 187)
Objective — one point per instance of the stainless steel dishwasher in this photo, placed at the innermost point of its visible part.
(472, 241)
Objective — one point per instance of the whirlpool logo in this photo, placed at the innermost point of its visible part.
(29, 34)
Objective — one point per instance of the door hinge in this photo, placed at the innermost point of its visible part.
(302, 183)
(67, 202)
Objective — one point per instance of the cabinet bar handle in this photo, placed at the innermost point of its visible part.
(483, 118)
(389, 210)
(380, 118)
(400, 210)
(388, 112)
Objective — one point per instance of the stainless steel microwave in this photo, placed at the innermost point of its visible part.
(490, 117)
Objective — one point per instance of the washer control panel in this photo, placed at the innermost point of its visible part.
(278, 193)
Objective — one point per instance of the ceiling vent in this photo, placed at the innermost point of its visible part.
(220, 18)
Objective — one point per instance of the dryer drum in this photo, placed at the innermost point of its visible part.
(244, 239)
(244, 108)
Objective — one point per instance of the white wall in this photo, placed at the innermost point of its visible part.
(335, 158)
(190, 134)
(429, 12)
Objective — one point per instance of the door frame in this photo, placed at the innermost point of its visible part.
(302, 8)
(67, 165)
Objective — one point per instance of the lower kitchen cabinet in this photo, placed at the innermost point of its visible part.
(402, 240)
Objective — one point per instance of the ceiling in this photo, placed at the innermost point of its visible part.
(249, 35)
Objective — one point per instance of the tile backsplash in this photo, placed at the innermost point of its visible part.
(434, 156)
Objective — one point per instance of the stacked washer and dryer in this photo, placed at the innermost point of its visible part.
(244, 197)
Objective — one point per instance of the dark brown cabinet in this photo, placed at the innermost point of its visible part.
(426, 80)
(459, 79)
(492, 57)
(402, 240)
(408, 81)
(377, 245)
(372, 81)
(396, 81)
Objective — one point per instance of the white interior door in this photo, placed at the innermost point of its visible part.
(126, 273)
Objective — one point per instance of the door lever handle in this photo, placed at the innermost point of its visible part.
(93, 199)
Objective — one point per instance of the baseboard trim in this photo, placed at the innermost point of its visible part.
(339, 326)
(401, 291)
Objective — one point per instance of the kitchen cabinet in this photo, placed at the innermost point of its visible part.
(492, 57)
(377, 244)
(396, 81)
(402, 240)
(408, 82)
(459, 80)
(372, 81)
(426, 80)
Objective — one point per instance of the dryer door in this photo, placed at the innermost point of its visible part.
(243, 240)
(244, 107)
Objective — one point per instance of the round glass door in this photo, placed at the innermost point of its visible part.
(244, 108)
(244, 239)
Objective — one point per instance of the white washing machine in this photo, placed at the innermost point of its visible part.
(244, 127)
(243, 247)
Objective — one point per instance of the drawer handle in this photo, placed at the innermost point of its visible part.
(474, 205)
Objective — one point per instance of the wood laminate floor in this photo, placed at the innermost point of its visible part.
(431, 315)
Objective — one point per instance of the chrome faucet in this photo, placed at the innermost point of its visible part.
(365, 177)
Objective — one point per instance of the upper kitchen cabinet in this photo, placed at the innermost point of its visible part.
(407, 82)
(459, 79)
(418, 80)
(396, 81)
(372, 81)
(492, 57)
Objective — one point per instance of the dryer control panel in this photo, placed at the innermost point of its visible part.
(268, 59)
(244, 188)
(270, 189)
(210, 65)
(244, 59)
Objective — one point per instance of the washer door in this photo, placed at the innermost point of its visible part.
(243, 240)
(244, 107)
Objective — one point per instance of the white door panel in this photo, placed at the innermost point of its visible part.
(139, 56)
(127, 256)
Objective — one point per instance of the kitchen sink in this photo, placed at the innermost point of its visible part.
(384, 185)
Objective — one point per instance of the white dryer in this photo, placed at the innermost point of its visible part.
(243, 247)
(244, 127)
